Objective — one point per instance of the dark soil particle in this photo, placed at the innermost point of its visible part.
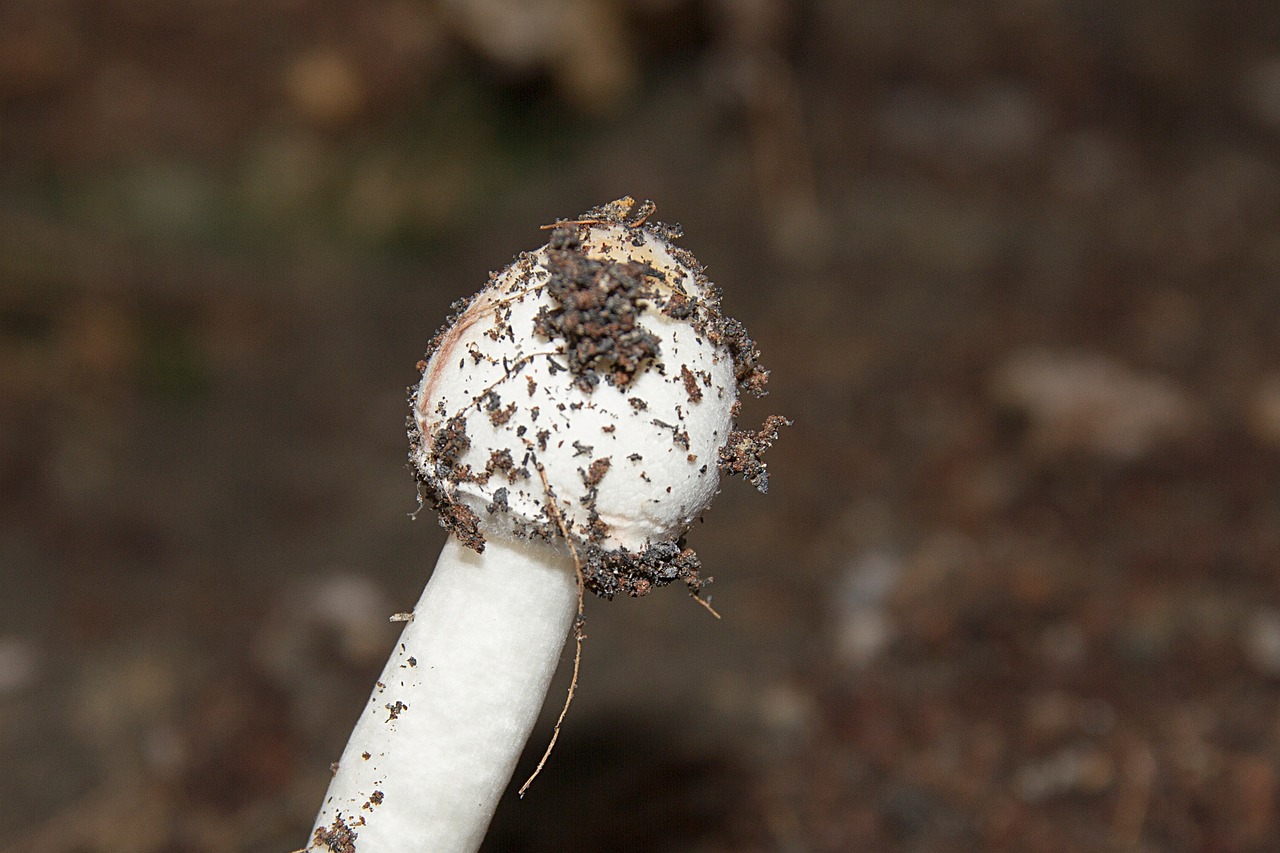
(459, 519)
(678, 306)
(680, 436)
(454, 516)
(451, 512)
(499, 502)
(395, 709)
(597, 471)
(608, 572)
(596, 313)
(500, 460)
(339, 837)
(690, 384)
(448, 444)
(498, 417)
(744, 449)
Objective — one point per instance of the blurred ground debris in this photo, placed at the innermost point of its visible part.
(1091, 404)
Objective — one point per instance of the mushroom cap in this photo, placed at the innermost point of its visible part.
(594, 372)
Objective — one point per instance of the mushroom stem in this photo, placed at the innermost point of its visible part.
(439, 738)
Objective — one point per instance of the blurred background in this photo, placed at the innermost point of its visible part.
(1014, 265)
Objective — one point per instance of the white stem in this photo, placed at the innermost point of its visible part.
(470, 673)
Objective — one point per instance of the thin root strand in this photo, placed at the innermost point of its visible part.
(579, 622)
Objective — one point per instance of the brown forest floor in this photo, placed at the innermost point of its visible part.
(1015, 266)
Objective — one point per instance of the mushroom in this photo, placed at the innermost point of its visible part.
(571, 423)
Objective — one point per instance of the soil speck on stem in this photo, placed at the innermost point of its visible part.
(338, 837)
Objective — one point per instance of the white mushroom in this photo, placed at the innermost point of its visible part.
(571, 422)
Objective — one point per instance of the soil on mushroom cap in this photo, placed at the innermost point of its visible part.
(596, 313)
(594, 319)
(742, 453)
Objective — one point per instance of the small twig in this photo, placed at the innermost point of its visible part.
(555, 225)
(510, 373)
(705, 603)
(514, 296)
(578, 624)
(646, 210)
(555, 732)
